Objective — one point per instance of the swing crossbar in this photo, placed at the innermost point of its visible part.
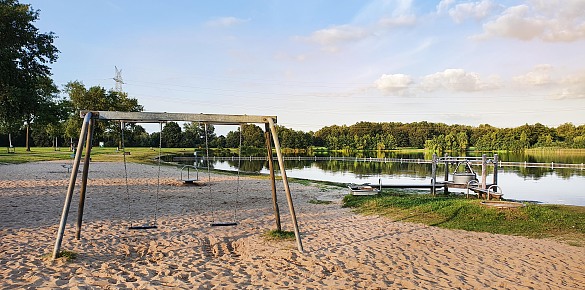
(156, 117)
(224, 224)
(145, 227)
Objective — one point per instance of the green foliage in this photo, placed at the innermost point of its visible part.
(171, 135)
(317, 201)
(26, 89)
(66, 255)
(276, 235)
(290, 138)
(98, 154)
(97, 98)
(533, 220)
(252, 136)
(579, 142)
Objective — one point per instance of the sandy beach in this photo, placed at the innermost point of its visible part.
(343, 250)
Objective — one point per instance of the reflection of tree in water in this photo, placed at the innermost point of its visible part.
(362, 168)
(376, 168)
(538, 173)
(545, 156)
(248, 166)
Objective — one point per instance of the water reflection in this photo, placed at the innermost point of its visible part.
(563, 186)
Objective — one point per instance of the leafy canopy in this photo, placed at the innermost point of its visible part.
(25, 53)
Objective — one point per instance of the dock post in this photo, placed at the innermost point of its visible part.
(434, 175)
(496, 160)
(446, 189)
(483, 171)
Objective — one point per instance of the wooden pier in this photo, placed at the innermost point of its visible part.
(461, 180)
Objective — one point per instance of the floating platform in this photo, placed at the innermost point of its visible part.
(363, 189)
(502, 204)
(486, 193)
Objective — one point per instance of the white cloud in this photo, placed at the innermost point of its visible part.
(338, 34)
(444, 5)
(515, 22)
(573, 87)
(393, 83)
(457, 80)
(402, 20)
(539, 76)
(571, 93)
(554, 21)
(373, 21)
(477, 10)
(225, 22)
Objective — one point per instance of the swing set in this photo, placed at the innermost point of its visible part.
(86, 137)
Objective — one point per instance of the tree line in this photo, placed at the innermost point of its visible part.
(34, 112)
(442, 137)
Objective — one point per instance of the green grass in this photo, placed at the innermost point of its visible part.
(66, 255)
(565, 223)
(276, 235)
(137, 154)
(316, 201)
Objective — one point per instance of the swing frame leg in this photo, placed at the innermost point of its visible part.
(71, 187)
(285, 183)
(272, 178)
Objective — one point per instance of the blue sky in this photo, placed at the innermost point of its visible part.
(319, 63)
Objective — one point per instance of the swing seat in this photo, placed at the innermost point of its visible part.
(143, 227)
(190, 181)
(224, 224)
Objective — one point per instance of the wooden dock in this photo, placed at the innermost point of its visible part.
(486, 193)
(416, 186)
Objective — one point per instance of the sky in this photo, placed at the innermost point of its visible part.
(316, 63)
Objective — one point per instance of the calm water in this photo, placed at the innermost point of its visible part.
(554, 186)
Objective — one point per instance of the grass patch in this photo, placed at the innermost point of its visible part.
(68, 255)
(65, 255)
(276, 235)
(316, 201)
(565, 223)
(100, 154)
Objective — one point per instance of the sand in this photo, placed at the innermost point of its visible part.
(343, 250)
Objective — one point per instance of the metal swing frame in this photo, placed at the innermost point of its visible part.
(86, 137)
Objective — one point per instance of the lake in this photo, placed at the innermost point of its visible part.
(545, 185)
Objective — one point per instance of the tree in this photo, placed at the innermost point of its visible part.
(25, 83)
(194, 134)
(49, 125)
(252, 136)
(171, 135)
(232, 139)
(462, 141)
(96, 98)
(566, 132)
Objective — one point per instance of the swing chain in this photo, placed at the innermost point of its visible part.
(122, 125)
